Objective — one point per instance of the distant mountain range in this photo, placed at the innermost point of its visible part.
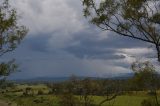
(48, 79)
(61, 79)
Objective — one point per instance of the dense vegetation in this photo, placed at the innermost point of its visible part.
(80, 92)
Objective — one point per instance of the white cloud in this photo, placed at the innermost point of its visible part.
(137, 51)
(47, 16)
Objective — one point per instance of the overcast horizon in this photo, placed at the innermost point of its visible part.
(61, 42)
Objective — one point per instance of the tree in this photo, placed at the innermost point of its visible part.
(11, 34)
(87, 92)
(146, 77)
(137, 19)
(67, 97)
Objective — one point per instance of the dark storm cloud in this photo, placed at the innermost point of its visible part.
(38, 43)
(89, 45)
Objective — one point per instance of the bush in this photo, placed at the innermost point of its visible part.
(68, 99)
(40, 92)
(149, 102)
(39, 100)
(151, 93)
(25, 94)
(146, 103)
(50, 92)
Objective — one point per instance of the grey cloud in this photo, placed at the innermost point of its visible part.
(107, 57)
(39, 43)
(89, 45)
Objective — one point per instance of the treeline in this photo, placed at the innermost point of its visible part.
(145, 78)
(99, 87)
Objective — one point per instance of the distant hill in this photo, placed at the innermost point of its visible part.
(62, 79)
(123, 76)
(48, 79)
(42, 79)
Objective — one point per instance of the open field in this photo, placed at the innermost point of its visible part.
(15, 95)
(51, 100)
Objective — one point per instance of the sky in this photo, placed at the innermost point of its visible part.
(61, 42)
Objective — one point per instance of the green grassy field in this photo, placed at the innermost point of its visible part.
(52, 100)
(124, 100)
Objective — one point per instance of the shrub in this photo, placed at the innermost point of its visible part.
(151, 93)
(149, 102)
(50, 92)
(146, 103)
(39, 100)
(40, 92)
(68, 99)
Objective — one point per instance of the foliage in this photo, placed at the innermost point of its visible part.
(7, 68)
(15, 95)
(87, 92)
(40, 92)
(68, 99)
(138, 19)
(11, 34)
(28, 92)
(146, 77)
(148, 102)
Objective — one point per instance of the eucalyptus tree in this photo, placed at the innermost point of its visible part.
(11, 34)
(137, 19)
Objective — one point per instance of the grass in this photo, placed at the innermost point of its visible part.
(52, 100)
(126, 101)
